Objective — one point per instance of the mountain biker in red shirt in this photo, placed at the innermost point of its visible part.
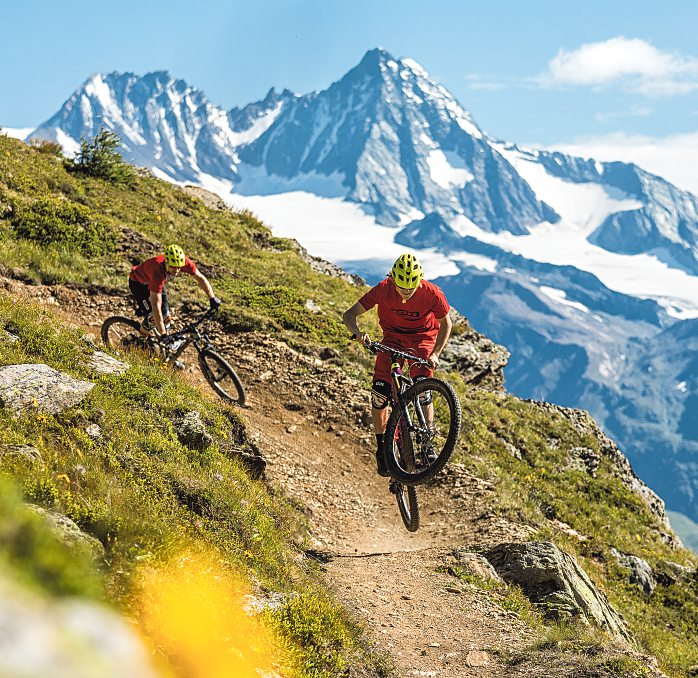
(147, 284)
(413, 315)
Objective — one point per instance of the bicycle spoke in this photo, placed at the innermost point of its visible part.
(420, 451)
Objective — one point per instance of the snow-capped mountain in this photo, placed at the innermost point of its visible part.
(586, 271)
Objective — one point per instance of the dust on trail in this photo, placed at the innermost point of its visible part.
(309, 420)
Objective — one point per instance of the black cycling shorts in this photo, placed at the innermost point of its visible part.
(141, 294)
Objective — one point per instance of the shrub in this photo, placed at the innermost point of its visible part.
(47, 146)
(63, 222)
(98, 157)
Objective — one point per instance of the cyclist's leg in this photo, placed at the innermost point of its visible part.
(380, 398)
(141, 294)
(166, 315)
(423, 350)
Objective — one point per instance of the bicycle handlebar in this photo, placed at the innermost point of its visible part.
(376, 347)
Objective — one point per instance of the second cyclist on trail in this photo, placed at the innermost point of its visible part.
(147, 284)
(413, 314)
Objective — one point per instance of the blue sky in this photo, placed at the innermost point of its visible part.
(544, 72)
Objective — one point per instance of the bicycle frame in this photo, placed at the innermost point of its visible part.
(191, 335)
(400, 383)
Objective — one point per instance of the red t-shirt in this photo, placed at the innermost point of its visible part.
(416, 317)
(153, 273)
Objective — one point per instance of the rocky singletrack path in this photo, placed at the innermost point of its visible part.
(309, 420)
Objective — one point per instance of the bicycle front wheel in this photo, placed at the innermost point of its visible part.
(407, 503)
(222, 377)
(419, 445)
(121, 333)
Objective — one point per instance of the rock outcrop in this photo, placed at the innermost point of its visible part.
(476, 357)
(640, 570)
(555, 583)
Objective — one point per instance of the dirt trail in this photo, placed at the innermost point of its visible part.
(309, 420)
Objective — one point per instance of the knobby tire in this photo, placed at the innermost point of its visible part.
(215, 369)
(425, 473)
(408, 505)
(115, 320)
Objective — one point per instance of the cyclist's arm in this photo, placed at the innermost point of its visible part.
(349, 318)
(156, 305)
(203, 283)
(445, 325)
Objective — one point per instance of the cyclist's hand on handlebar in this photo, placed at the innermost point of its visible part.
(364, 338)
(433, 360)
(214, 303)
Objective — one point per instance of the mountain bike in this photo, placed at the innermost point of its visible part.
(120, 332)
(424, 422)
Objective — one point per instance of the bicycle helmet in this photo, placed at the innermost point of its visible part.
(174, 256)
(407, 272)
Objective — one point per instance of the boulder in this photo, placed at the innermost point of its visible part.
(192, 432)
(555, 583)
(69, 532)
(640, 571)
(66, 638)
(24, 387)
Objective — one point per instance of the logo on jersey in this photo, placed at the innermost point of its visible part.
(409, 314)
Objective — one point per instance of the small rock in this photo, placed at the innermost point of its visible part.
(513, 450)
(192, 432)
(103, 363)
(27, 451)
(434, 644)
(453, 589)
(477, 658)
(291, 429)
(477, 565)
(69, 532)
(94, 431)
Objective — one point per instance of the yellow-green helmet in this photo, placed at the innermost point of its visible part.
(407, 272)
(174, 256)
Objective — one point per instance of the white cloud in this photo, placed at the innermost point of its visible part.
(673, 157)
(634, 111)
(482, 82)
(629, 63)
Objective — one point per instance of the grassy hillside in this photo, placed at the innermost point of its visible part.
(152, 500)
(61, 227)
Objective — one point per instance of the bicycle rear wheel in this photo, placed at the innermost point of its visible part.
(119, 333)
(418, 446)
(222, 377)
(407, 503)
